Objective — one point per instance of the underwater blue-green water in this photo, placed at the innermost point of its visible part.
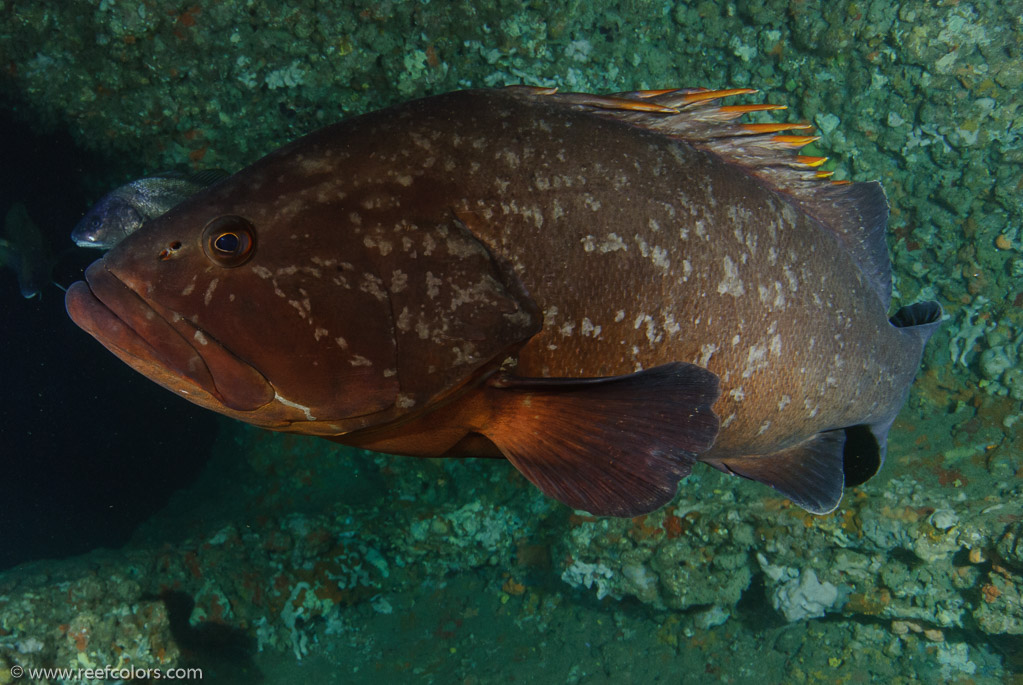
(137, 530)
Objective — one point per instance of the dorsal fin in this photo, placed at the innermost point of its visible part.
(202, 177)
(856, 213)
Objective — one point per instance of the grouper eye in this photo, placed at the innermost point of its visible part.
(229, 241)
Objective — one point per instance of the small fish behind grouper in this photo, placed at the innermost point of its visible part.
(121, 212)
(23, 249)
(603, 289)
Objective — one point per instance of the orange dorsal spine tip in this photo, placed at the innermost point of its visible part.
(743, 109)
(775, 128)
(715, 94)
(811, 161)
(654, 93)
(645, 107)
(795, 141)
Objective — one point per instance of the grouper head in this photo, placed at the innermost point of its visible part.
(300, 294)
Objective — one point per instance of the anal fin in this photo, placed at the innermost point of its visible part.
(613, 446)
(811, 474)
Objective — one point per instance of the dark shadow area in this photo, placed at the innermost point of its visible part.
(1011, 649)
(88, 448)
(754, 608)
(223, 652)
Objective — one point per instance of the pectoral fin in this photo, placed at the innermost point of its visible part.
(613, 446)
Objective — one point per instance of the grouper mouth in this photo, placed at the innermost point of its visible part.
(163, 346)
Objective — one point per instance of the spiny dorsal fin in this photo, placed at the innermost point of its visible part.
(856, 213)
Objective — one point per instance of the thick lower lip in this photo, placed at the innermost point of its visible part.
(199, 368)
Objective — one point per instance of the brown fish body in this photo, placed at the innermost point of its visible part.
(410, 270)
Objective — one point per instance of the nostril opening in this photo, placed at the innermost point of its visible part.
(169, 251)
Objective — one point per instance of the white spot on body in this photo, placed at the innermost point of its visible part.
(429, 244)
(790, 276)
(557, 211)
(384, 246)
(660, 258)
(706, 352)
(670, 325)
(637, 364)
(404, 321)
(653, 336)
(373, 285)
(432, 285)
(209, 291)
(755, 360)
(399, 280)
(701, 229)
(612, 243)
(656, 254)
(731, 284)
(509, 157)
(200, 338)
